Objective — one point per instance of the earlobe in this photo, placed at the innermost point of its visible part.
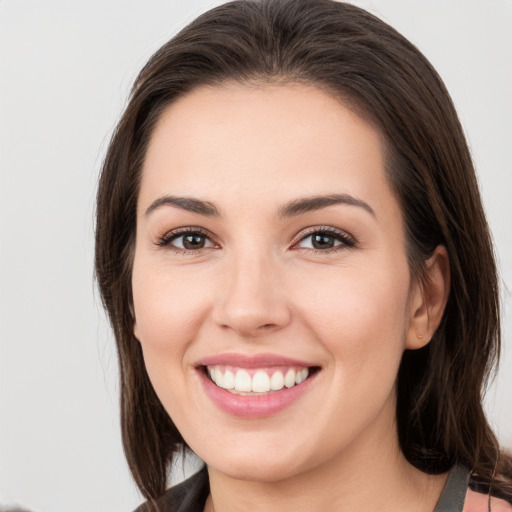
(428, 300)
(135, 329)
(135, 326)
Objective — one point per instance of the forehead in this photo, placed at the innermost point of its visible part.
(250, 142)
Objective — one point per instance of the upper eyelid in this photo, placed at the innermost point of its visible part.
(184, 230)
(323, 229)
(173, 234)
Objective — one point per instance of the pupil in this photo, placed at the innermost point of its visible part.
(193, 241)
(323, 242)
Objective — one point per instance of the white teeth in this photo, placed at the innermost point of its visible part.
(229, 380)
(301, 376)
(261, 382)
(277, 381)
(243, 381)
(289, 378)
(218, 378)
(226, 381)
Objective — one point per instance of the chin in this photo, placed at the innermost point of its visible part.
(258, 471)
(261, 462)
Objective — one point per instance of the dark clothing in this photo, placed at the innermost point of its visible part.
(188, 496)
(191, 495)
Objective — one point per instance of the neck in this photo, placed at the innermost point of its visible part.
(372, 477)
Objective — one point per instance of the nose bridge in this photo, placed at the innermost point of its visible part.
(253, 300)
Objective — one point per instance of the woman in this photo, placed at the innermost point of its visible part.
(293, 253)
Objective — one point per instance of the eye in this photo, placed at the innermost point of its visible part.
(325, 240)
(186, 240)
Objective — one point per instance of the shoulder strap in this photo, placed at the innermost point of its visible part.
(454, 493)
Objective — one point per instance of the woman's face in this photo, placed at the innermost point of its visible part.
(270, 247)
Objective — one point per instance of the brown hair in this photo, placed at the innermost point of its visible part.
(376, 71)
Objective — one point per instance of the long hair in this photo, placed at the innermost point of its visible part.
(375, 71)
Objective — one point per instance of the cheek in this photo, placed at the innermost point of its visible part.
(169, 311)
(360, 315)
(169, 308)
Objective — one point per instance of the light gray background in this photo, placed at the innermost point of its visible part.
(65, 71)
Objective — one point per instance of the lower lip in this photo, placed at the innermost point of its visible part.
(254, 406)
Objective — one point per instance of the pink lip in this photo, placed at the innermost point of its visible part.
(251, 361)
(253, 406)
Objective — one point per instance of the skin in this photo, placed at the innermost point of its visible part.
(476, 502)
(258, 286)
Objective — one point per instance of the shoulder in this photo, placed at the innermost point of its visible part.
(477, 502)
(188, 496)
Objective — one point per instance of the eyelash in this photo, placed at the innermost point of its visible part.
(337, 234)
(346, 240)
(168, 238)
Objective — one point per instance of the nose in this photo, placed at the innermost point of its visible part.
(253, 301)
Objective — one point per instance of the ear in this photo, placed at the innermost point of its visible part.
(135, 326)
(136, 330)
(428, 300)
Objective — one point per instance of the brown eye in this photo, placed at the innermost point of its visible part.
(193, 241)
(326, 239)
(321, 241)
(186, 241)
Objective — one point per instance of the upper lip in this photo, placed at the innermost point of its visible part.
(252, 361)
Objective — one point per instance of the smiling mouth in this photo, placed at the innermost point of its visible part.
(257, 381)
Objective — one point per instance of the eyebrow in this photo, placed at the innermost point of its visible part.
(291, 209)
(308, 204)
(186, 203)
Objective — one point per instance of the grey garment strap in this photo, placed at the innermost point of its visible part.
(454, 493)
